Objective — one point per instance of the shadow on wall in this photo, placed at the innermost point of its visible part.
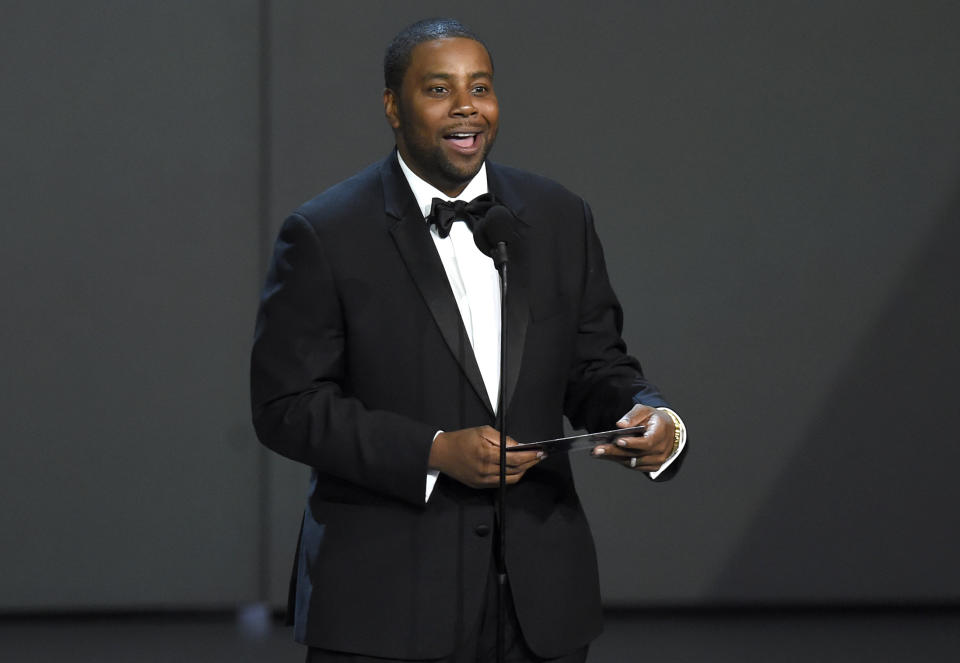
(877, 470)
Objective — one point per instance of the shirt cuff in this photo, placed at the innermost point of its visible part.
(676, 454)
(432, 476)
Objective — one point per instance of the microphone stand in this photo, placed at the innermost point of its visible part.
(500, 260)
(491, 234)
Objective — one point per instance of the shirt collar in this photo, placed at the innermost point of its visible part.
(425, 192)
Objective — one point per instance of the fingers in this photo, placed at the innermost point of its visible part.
(646, 452)
(488, 475)
(472, 457)
(632, 459)
(516, 460)
(641, 464)
(523, 458)
(657, 436)
(626, 447)
(613, 452)
(637, 415)
(486, 465)
(521, 467)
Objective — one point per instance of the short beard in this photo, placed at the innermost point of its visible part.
(448, 172)
(438, 170)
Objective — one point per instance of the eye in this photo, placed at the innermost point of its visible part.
(437, 90)
(480, 89)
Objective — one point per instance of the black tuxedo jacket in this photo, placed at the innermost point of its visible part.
(360, 357)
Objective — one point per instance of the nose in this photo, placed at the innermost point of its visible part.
(463, 105)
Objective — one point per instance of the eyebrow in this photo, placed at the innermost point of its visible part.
(471, 76)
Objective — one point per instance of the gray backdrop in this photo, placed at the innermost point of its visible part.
(777, 185)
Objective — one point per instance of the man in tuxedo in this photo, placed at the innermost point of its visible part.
(376, 363)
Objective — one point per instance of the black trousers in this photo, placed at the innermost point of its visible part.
(478, 646)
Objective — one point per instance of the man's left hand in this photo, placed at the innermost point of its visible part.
(647, 452)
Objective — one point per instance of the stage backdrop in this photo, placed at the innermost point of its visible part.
(777, 186)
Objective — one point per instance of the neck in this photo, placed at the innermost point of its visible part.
(452, 188)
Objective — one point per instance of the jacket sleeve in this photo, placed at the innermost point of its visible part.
(605, 381)
(300, 403)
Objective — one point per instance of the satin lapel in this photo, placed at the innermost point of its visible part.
(518, 304)
(518, 315)
(413, 241)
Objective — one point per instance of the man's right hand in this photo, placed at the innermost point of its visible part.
(472, 457)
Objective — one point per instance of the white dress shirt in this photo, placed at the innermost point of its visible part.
(476, 287)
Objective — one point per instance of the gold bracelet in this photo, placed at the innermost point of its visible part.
(677, 428)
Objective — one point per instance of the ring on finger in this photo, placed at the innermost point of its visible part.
(633, 462)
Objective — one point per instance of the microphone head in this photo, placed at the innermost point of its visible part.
(496, 226)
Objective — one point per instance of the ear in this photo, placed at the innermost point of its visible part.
(390, 108)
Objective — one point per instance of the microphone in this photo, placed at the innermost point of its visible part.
(493, 232)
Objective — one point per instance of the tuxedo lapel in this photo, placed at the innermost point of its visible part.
(412, 237)
(518, 305)
(518, 315)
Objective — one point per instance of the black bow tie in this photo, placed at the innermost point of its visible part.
(443, 213)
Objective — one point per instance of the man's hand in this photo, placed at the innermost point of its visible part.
(472, 457)
(650, 450)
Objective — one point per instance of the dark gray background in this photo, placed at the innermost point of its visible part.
(777, 185)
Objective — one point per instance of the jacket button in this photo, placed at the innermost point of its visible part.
(482, 530)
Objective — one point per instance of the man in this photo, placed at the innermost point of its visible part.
(375, 362)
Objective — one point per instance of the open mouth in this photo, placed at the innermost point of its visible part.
(463, 140)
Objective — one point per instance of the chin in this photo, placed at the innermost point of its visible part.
(463, 172)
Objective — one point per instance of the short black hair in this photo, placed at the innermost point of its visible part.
(396, 61)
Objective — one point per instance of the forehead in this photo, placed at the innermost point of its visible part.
(453, 56)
